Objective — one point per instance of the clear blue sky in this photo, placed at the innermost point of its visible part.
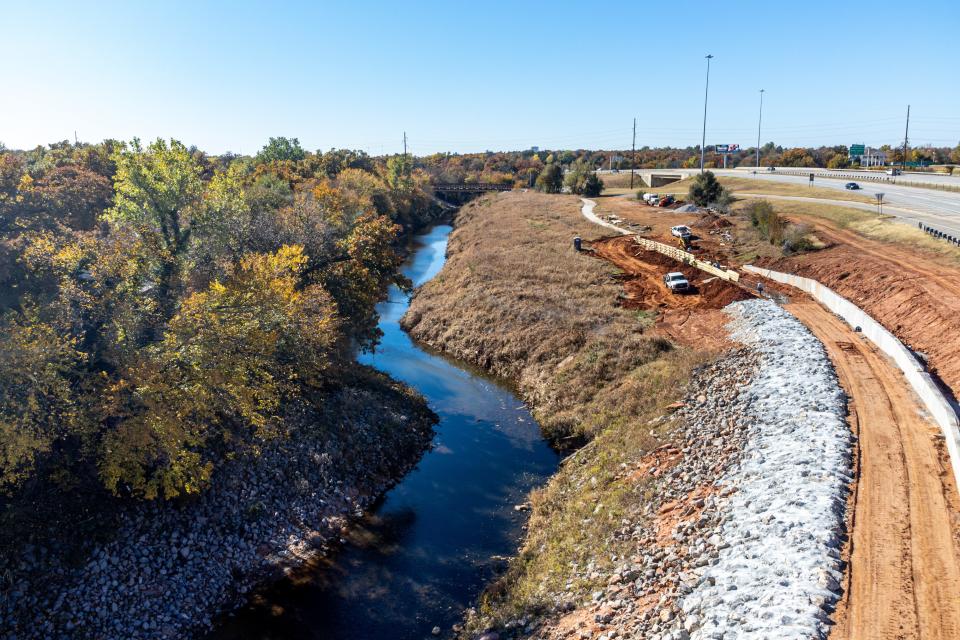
(470, 76)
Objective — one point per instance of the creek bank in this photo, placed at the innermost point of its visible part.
(742, 531)
(170, 567)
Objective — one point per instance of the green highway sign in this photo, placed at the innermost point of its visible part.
(856, 150)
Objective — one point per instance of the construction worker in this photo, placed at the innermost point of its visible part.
(577, 243)
(760, 288)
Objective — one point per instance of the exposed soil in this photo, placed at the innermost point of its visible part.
(904, 564)
(913, 294)
(692, 318)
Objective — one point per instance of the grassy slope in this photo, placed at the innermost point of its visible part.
(515, 299)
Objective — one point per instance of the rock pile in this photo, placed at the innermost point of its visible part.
(171, 567)
(742, 536)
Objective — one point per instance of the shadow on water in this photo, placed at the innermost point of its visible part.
(426, 550)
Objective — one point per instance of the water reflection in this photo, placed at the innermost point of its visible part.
(426, 551)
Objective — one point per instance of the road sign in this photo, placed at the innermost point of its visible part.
(857, 150)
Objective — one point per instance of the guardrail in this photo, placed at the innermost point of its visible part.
(687, 258)
(856, 176)
(936, 233)
(921, 381)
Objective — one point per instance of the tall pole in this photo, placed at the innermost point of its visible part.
(706, 92)
(633, 153)
(759, 122)
(404, 144)
(906, 135)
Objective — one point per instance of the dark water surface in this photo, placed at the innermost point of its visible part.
(425, 552)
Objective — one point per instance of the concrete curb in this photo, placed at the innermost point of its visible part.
(921, 381)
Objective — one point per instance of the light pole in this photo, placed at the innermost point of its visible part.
(759, 122)
(706, 92)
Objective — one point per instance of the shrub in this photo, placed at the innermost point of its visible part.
(766, 221)
(705, 189)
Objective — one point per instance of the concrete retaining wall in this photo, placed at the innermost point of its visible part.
(925, 387)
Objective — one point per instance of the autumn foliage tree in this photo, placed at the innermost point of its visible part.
(172, 313)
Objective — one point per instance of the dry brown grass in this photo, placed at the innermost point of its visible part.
(516, 299)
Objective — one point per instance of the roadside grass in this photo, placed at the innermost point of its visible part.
(517, 300)
(749, 185)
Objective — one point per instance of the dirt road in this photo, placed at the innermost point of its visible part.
(903, 580)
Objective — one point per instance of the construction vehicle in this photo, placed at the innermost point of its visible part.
(666, 201)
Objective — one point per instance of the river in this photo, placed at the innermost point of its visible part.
(425, 552)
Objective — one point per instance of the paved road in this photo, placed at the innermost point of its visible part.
(937, 209)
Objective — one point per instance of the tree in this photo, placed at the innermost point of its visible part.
(158, 197)
(838, 161)
(550, 179)
(399, 172)
(229, 358)
(70, 195)
(37, 407)
(593, 187)
(576, 177)
(704, 189)
(281, 148)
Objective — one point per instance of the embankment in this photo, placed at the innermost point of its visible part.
(666, 522)
(515, 299)
(170, 566)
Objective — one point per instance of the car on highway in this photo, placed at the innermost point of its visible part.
(676, 281)
(771, 168)
(851, 186)
(893, 172)
(681, 231)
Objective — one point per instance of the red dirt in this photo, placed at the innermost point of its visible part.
(691, 318)
(912, 293)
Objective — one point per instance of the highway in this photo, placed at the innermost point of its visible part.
(937, 209)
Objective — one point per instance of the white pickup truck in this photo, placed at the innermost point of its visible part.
(676, 281)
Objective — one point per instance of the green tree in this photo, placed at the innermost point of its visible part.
(159, 197)
(550, 179)
(593, 186)
(704, 189)
(400, 173)
(576, 177)
(281, 148)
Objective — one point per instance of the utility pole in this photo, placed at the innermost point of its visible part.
(706, 92)
(75, 142)
(633, 153)
(404, 144)
(759, 122)
(906, 136)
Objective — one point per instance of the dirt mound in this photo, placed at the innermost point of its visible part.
(711, 221)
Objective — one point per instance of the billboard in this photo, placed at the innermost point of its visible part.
(727, 148)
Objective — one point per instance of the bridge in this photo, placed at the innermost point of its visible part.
(471, 187)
